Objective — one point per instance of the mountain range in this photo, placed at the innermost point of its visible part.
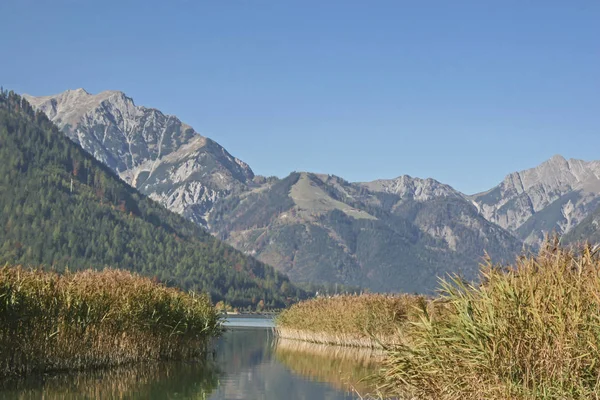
(63, 209)
(388, 235)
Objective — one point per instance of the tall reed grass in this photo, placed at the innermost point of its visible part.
(368, 320)
(531, 331)
(91, 319)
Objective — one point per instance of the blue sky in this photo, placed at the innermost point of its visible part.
(461, 91)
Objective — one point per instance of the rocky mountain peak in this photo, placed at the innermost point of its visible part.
(157, 153)
(80, 91)
(414, 188)
(66, 109)
(553, 196)
(555, 174)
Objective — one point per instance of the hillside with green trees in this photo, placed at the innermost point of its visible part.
(63, 209)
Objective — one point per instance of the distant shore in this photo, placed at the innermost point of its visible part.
(250, 314)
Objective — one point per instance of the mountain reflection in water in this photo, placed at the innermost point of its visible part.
(247, 364)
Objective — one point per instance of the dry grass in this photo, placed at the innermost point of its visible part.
(528, 332)
(369, 320)
(90, 319)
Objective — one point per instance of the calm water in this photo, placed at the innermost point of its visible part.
(248, 364)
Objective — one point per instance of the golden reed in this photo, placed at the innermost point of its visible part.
(51, 321)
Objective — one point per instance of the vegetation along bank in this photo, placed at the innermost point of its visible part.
(368, 320)
(529, 331)
(526, 331)
(51, 321)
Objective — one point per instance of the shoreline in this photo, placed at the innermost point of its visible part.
(340, 339)
(370, 320)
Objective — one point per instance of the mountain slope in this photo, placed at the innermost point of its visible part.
(554, 196)
(322, 228)
(156, 153)
(63, 208)
(445, 213)
(587, 231)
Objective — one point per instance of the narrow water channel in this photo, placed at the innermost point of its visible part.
(248, 363)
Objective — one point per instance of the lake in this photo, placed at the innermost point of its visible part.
(248, 363)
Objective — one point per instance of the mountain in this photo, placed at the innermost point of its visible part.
(587, 231)
(445, 213)
(555, 196)
(399, 234)
(402, 235)
(418, 189)
(153, 152)
(62, 208)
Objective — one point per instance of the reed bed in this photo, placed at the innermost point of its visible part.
(531, 331)
(51, 322)
(368, 320)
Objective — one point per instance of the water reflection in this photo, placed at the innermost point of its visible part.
(344, 368)
(160, 380)
(247, 364)
(251, 371)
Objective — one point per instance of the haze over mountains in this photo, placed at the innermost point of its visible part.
(398, 234)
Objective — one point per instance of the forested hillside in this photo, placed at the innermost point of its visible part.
(62, 208)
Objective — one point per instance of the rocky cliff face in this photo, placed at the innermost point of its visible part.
(407, 187)
(554, 196)
(444, 213)
(157, 153)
